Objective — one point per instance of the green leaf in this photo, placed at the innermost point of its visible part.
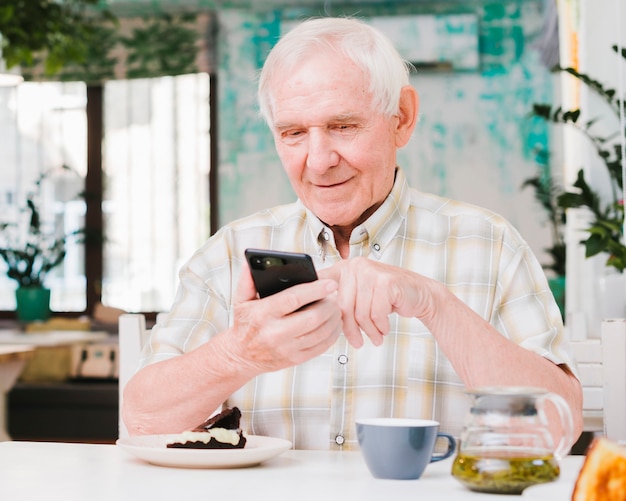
(594, 245)
(571, 116)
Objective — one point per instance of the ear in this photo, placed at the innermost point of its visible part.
(407, 115)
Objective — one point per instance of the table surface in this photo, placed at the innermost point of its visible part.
(49, 338)
(76, 472)
(16, 346)
(13, 352)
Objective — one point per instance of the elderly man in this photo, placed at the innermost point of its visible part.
(419, 297)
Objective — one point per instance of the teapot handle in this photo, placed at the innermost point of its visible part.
(567, 424)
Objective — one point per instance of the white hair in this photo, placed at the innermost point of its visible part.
(364, 45)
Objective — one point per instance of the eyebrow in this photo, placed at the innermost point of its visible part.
(341, 118)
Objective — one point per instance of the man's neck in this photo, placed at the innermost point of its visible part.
(342, 233)
(342, 239)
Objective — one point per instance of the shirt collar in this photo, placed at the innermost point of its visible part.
(380, 227)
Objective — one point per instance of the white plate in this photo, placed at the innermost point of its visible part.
(550, 491)
(152, 448)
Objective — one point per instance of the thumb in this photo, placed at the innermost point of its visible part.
(246, 290)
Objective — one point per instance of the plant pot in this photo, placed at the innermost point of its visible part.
(557, 286)
(611, 294)
(33, 303)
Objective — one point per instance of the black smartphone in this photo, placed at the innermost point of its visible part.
(274, 271)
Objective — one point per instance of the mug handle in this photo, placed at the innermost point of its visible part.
(451, 448)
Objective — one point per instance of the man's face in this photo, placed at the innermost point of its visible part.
(339, 154)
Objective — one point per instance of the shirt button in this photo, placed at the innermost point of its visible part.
(343, 359)
(339, 439)
(326, 236)
(376, 247)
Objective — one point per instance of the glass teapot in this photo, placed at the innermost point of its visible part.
(506, 443)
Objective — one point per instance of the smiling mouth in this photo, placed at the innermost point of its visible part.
(333, 185)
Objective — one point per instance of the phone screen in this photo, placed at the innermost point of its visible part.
(274, 271)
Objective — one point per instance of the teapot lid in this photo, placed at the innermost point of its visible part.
(514, 400)
(529, 391)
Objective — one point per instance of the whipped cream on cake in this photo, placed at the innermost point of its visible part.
(221, 431)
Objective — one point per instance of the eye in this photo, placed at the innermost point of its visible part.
(292, 135)
(343, 128)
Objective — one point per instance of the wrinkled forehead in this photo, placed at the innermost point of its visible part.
(326, 67)
(306, 54)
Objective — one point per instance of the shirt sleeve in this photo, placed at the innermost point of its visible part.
(527, 312)
(201, 307)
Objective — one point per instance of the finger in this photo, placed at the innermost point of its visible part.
(333, 273)
(379, 312)
(347, 297)
(382, 304)
(298, 296)
(319, 331)
(306, 333)
(245, 287)
(324, 320)
(365, 313)
(320, 346)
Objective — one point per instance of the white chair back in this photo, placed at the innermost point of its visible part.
(132, 336)
(588, 355)
(613, 334)
(602, 367)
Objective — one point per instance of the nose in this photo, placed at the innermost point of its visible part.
(321, 154)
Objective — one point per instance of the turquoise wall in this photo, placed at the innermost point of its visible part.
(474, 142)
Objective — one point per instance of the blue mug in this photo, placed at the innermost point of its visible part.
(400, 449)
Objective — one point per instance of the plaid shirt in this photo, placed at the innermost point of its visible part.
(478, 255)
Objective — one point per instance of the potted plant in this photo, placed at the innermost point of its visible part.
(59, 33)
(31, 248)
(606, 231)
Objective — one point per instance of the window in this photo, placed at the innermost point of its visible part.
(155, 176)
(156, 196)
(42, 128)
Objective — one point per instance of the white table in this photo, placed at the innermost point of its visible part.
(12, 341)
(79, 472)
(49, 338)
(12, 361)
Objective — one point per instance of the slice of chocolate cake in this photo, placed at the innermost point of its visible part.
(221, 431)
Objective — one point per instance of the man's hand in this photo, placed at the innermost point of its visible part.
(370, 291)
(285, 329)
